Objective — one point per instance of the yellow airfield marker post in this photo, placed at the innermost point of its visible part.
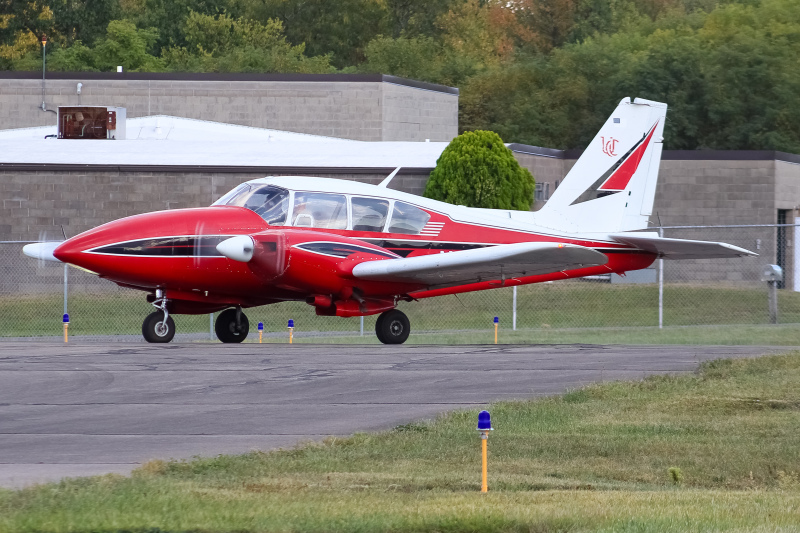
(260, 331)
(496, 324)
(66, 326)
(291, 330)
(485, 426)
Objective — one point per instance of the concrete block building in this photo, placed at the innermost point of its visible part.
(364, 107)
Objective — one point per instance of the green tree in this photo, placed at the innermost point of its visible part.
(128, 46)
(417, 18)
(478, 170)
(83, 20)
(340, 29)
(222, 44)
(168, 17)
(409, 57)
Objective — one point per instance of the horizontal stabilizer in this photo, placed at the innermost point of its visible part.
(681, 248)
(504, 261)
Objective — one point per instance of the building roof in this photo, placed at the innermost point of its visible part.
(165, 127)
(165, 141)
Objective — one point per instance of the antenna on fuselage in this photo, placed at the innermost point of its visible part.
(387, 179)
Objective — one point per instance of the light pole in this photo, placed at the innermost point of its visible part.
(44, 66)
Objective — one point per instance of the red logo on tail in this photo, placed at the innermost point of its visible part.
(609, 146)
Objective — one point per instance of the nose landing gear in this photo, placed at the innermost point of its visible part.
(158, 327)
(232, 325)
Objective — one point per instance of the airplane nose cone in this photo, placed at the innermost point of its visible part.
(41, 250)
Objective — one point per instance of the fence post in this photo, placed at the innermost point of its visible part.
(211, 326)
(661, 286)
(772, 297)
(514, 311)
(66, 286)
(362, 326)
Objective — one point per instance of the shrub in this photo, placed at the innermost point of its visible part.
(478, 170)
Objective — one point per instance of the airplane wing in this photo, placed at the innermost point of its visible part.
(681, 248)
(483, 264)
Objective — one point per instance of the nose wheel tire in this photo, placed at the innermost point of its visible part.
(155, 329)
(227, 329)
(392, 327)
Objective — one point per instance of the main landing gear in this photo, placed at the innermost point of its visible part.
(392, 327)
(232, 325)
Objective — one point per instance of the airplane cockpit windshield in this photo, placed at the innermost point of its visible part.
(327, 210)
(269, 201)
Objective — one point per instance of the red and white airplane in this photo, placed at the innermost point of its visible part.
(352, 249)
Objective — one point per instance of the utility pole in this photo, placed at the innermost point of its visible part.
(44, 68)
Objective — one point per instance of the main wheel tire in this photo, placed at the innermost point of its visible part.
(392, 327)
(225, 327)
(155, 330)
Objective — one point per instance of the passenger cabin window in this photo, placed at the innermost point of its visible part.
(319, 210)
(407, 219)
(369, 214)
(269, 201)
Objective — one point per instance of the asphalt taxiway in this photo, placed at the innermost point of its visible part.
(91, 408)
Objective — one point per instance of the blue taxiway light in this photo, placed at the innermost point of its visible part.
(485, 421)
(260, 326)
(496, 320)
(66, 319)
(291, 323)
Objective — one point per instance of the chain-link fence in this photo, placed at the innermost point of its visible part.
(711, 301)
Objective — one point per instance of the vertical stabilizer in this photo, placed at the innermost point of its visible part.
(612, 185)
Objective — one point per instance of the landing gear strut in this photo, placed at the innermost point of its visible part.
(159, 326)
(232, 325)
(392, 327)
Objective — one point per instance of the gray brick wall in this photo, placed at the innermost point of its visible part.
(417, 115)
(544, 170)
(716, 192)
(361, 110)
(35, 204)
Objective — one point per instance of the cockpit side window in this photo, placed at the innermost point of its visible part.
(407, 219)
(268, 201)
(369, 214)
(231, 197)
(319, 210)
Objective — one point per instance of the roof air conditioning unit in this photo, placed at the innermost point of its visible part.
(91, 122)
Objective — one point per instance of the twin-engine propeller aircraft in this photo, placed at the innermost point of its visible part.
(352, 249)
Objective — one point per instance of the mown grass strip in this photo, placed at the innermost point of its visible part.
(545, 306)
(712, 451)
